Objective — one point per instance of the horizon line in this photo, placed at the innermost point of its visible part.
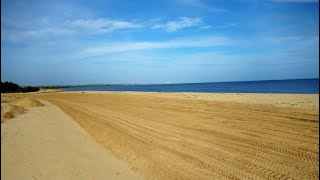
(130, 84)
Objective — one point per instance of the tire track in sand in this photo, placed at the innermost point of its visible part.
(168, 138)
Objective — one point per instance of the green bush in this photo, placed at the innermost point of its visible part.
(29, 89)
(9, 87)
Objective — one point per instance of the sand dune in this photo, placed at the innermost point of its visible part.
(171, 136)
(44, 143)
(27, 102)
(9, 111)
(16, 106)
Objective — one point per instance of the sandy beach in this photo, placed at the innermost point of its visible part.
(44, 143)
(127, 135)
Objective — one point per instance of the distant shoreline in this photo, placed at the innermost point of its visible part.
(301, 86)
(147, 84)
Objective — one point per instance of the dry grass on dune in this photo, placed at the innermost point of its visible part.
(44, 90)
(174, 138)
(28, 102)
(14, 106)
(9, 111)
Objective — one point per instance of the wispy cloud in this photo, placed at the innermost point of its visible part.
(200, 4)
(18, 32)
(45, 28)
(300, 42)
(180, 23)
(135, 46)
(47, 32)
(16, 36)
(101, 25)
(227, 25)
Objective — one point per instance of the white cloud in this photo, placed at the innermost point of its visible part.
(101, 25)
(200, 4)
(135, 46)
(227, 25)
(206, 27)
(296, 42)
(46, 33)
(19, 32)
(182, 22)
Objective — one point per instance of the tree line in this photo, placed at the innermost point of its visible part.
(10, 87)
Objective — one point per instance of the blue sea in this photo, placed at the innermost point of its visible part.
(297, 86)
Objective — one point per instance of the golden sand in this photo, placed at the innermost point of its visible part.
(44, 143)
(202, 135)
(16, 106)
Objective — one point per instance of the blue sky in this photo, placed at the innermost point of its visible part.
(92, 42)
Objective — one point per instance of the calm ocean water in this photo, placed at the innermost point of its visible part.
(301, 86)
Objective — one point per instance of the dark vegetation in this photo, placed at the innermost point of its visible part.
(9, 87)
